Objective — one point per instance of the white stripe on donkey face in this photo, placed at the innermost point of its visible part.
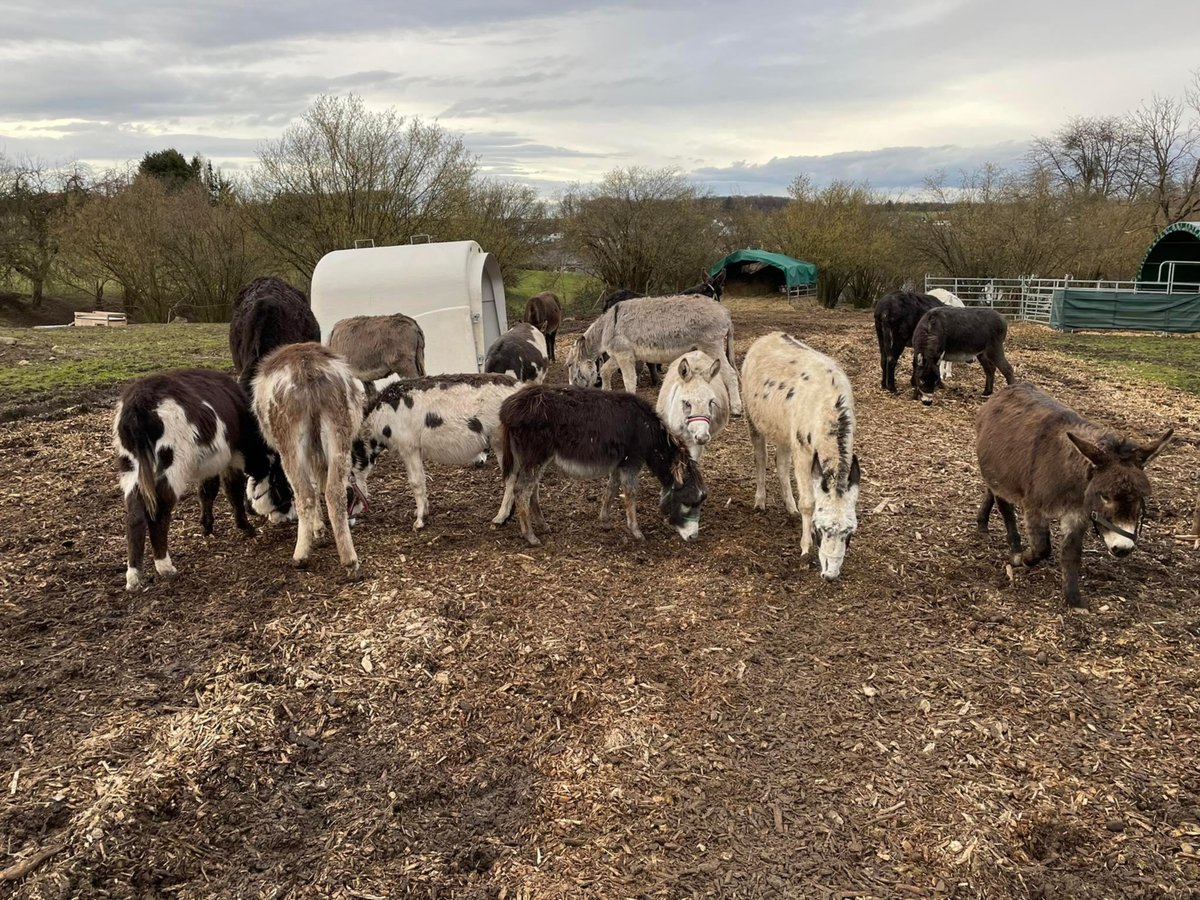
(448, 419)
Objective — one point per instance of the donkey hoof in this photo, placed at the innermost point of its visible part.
(353, 572)
(532, 540)
(299, 563)
(133, 579)
(248, 530)
(418, 525)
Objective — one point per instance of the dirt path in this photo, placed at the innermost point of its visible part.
(598, 718)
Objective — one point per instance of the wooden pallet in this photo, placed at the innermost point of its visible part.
(106, 319)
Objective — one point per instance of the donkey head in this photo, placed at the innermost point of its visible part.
(926, 376)
(366, 449)
(695, 396)
(1117, 488)
(272, 496)
(681, 501)
(582, 371)
(835, 518)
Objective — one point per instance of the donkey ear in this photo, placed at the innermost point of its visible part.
(718, 279)
(716, 368)
(1147, 452)
(1093, 454)
(685, 371)
(855, 471)
(817, 472)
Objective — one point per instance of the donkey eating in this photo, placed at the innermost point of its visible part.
(654, 330)
(958, 335)
(1037, 453)
(800, 400)
(591, 434)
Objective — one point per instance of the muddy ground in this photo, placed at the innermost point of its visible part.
(601, 718)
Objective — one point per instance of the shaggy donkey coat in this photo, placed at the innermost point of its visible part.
(693, 402)
(310, 406)
(958, 335)
(172, 432)
(655, 329)
(379, 346)
(591, 434)
(896, 318)
(544, 312)
(448, 419)
(946, 369)
(520, 353)
(267, 313)
(1043, 456)
(800, 401)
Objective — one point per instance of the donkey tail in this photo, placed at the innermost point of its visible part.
(729, 347)
(133, 431)
(504, 451)
(421, 353)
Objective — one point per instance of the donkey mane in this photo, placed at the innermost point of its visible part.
(843, 432)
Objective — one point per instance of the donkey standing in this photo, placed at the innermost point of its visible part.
(379, 346)
(267, 313)
(655, 329)
(800, 400)
(592, 434)
(544, 312)
(958, 335)
(310, 406)
(896, 318)
(1044, 456)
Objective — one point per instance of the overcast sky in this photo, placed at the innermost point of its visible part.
(742, 96)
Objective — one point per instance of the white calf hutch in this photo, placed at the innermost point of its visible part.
(453, 290)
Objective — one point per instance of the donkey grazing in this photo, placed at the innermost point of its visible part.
(448, 419)
(544, 312)
(800, 400)
(174, 431)
(311, 406)
(693, 402)
(1037, 453)
(267, 313)
(379, 346)
(591, 434)
(958, 335)
(896, 318)
(947, 299)
(520, 353)
(655, 329)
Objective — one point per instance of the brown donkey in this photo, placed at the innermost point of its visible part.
(1044, 456)
(544, 312)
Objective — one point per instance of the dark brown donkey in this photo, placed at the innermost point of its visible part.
(544, 313)
(1055, 464)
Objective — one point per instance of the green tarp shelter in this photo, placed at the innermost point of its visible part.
(796, 272)
(1077, 310)
(1178, 244)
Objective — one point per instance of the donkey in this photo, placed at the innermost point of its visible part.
(896, 318)
(544, 312)
(946, 369)
(958, 335)
(448, 419)
(800, 400)
(1037, 453)
(591, 434)
(712, 286)
(172, 432)
(655, 329)
(267, 313)
(653, 370)
(310, 406)
(520, 353)
(693, 402)
(379, 346)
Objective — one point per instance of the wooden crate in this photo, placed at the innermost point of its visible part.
(107, 319)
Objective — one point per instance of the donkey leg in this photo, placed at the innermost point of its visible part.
(1073, 530)
(135, 538)
(235, 492)
(1010, 529)
(550, 344)
(526, 482)
(335, 506)
(535, 503)
(1038, 531)
(507, 501)
(416, 480)
(806, 502)
(606, 373)
(628, 366)
(1004, 366)
(985, 511)
(629, 480)
(208, 493)
(989, 375)
(759, 441)
(783, 471)
(729, 375)
(610, 494)
(159, 526)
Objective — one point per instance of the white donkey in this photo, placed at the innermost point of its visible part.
(655, 330)
(800, 400)
(448, 419)
(948, 299)
(693, 402)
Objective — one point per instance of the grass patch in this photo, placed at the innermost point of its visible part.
(44, 372)
(577, 292)
(1166, 359)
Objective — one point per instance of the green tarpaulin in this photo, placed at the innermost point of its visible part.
(1125, 311)
(796, 272)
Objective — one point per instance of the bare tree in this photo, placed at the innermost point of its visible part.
(343, 173)
(33, 200)
(1096, 156)
(1169, 165)
(647, 230)
(505, 218)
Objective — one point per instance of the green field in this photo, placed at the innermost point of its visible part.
(578, 293)
(1167, 359)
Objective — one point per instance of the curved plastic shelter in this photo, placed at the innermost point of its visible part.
(1173, 258)
(453, 289)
